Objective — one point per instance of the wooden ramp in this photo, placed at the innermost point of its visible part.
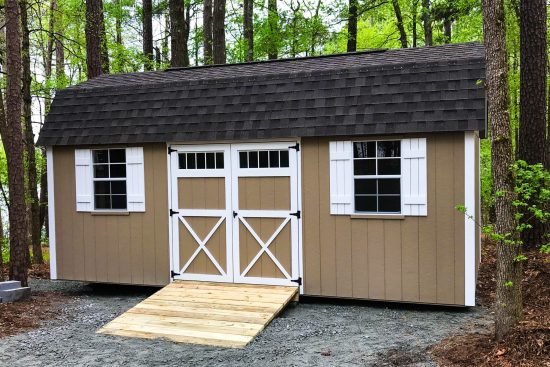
(218, 314)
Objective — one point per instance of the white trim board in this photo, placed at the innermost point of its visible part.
(469, 224)
(51, 213)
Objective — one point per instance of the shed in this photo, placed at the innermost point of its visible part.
(337, 173)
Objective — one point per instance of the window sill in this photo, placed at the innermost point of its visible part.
(378, 216)
(108, 213)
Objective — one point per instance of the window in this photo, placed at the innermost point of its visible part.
(109, 172)
(200, 160)
(377, 176)
(263, 159)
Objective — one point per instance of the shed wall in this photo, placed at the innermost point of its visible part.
(130, 248)
(413, 259)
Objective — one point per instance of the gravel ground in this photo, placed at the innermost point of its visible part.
(311, 333)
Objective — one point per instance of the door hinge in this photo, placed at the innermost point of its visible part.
(235, 214)
(172, 212)
(171, 150)
(298, 214)
(296, 146)
(299, 280)
(173, 274)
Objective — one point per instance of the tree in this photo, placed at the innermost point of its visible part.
(248, 28)
(179, 32)
(352, 26)
(427, 22)
(207, 31)
(218, 32)
(12, 137)
(273, 22)
(508, 278)
(532, 118)
(147, 19)
(399, 21)
(96, 63)
(414, 15)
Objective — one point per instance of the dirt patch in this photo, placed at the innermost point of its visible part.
(528, 344)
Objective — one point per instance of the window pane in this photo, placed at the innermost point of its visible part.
(102, 202)
(389, 148)
(274, 158)
(210, 161)
(364, 149)
(389, 186)
(219, 160)
(102, 187)
(119, 201)
(201, 161)
(365, 186)
(181, 160)
(243, 159)
(118, 170)
(283, 159)
(252, 159)
(364, 167)
(365, 203)
(389, 166)
(101, 156)
(389, 204)
(117, 155)
(264, 159)
(118, 187)
(101, 171)
(190, 160)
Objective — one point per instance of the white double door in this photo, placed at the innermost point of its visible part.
(235, 213)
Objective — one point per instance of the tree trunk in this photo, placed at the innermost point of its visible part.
(248, 28)
(352, 26)
(207, 32)
(12, 138)
(447, 29)
(414, 14)
(400, 26)
(47, 59)
(273, 21)
(427, 22)
(94, 54)
(32, 189)
(104, 48)
(148, 34)
(179, 34)
(118, 23)
(532, 117)
(508, 284)
(218, 32)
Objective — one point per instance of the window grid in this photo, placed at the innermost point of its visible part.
(201, 160)
(108, 200)
(278, 158)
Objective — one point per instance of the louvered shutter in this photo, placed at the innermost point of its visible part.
(135, 179)
(341, 176)
(83, 176)
(414, 176)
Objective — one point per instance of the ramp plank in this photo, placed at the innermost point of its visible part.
(207, 313)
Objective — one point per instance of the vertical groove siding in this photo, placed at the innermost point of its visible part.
(415, 259)
(130, 249)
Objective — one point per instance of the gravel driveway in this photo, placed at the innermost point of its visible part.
(312, 333)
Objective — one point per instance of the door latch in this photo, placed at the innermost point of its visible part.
(172, 212)
(298, 214)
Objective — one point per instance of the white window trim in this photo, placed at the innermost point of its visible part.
(469, 224)
(94, 179)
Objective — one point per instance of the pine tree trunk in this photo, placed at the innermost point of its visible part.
(273, 21)
(207, 32)
(103, 35)
(118, 23)
(218, 32)
(248, 28)
(427, 22)
(414, 12)
(400, 26)
(94, 55)
(148, 34)
(12, 138)
(352, 26)
(179, 34)
(532, 118)
(508, 304)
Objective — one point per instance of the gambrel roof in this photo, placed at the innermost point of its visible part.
(428, 89)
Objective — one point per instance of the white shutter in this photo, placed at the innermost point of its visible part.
(135, 180)
(341, 176)
(414, 177)
(83, 176)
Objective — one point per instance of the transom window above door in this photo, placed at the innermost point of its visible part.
(109, 176)
(263, 158)
(200, 160)
(377, 176)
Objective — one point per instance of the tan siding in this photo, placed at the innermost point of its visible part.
(118, 249)
(416, 259)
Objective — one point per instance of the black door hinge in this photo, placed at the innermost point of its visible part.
(296, 146)
(172, 212)
(173, 274)
(235, 214)
(171, 150)
(299, 280)
(298, 214)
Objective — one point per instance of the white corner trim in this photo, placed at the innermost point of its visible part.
(469, 224)
(51, 213)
